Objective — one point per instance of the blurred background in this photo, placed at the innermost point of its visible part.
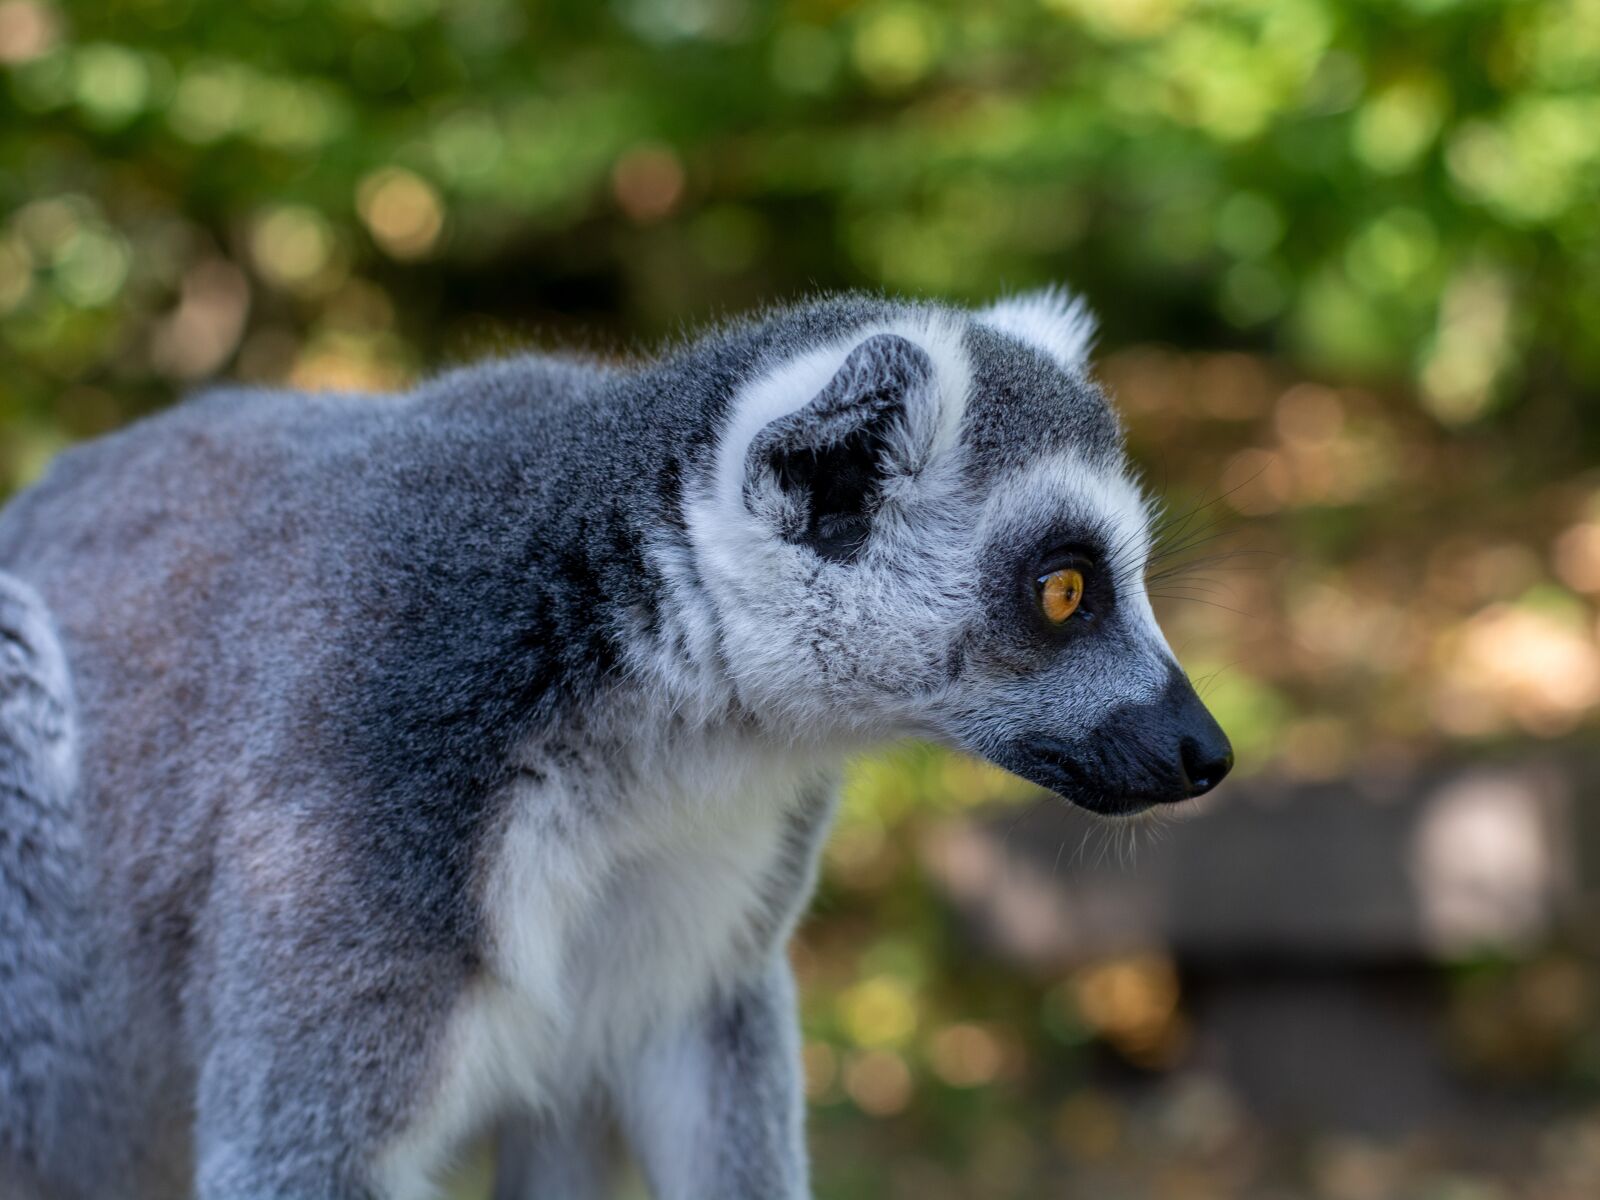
(1348, 261)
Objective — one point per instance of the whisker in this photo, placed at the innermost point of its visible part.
(1083, 844)
(1216, 561)
(1206, 682)
(1238, 612)
(1210, 587)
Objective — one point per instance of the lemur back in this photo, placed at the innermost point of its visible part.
(432, 761)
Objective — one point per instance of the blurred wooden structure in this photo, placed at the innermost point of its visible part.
(1305, 917)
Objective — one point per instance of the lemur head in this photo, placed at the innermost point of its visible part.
(927, 526)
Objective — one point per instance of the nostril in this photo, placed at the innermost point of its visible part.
(1204, 766)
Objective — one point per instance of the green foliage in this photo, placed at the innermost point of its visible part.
(355, 188)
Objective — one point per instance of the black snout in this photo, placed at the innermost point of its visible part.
(1159, 752)
(1205, 762)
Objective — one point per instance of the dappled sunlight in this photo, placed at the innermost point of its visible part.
(1483, 865)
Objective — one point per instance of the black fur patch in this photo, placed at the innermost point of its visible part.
(831, 456)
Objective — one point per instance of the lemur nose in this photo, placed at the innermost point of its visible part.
(1205, 764)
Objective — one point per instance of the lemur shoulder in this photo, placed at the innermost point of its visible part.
(383, 769)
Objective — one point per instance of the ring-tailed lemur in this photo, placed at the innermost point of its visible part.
(434, 760)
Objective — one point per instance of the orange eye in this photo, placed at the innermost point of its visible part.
(1060, 593)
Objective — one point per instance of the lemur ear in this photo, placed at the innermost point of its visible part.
(1052, 318)
(818, 473)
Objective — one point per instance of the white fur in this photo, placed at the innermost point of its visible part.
(1053, 319)
(670, 1095)
(1041, 490)
(625, 889)
(882, 622)
(931, 429)
(1115, 501)
(608, 923)
(734, 553)
(753, 576)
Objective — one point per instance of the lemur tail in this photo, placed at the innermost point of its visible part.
(36, 712)
(44, 963)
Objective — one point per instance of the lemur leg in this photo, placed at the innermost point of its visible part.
(287, 1109)
(319, 1027)
(246, 1146)
(572, 1159)
(714, 1109)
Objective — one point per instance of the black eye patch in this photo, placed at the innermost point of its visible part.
(1065, 586)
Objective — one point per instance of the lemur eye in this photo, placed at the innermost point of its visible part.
(1060, 593)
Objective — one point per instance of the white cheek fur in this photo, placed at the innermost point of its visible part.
(781, 612)
(859, 650)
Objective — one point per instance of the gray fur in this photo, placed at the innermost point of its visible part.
(459, 757)
(46, 957)
(571, 1157)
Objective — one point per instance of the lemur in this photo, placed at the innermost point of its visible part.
(379, 770)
